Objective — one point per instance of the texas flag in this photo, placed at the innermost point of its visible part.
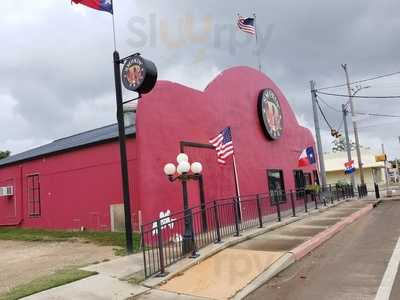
(103, 5)
(307, 157)
(349, 167)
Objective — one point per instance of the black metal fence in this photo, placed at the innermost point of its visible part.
(171, 238)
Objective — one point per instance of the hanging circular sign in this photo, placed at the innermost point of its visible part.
(270, 114)
(139, 74)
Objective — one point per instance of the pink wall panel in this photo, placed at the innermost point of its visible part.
(174, 113)
(76, 187)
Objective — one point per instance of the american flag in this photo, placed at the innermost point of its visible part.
(223, 145)
(247, 25)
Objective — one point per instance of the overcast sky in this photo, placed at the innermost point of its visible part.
(56, 75)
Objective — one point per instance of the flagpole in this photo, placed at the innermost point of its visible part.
(113, 23)
(235, 173)
(257, 50)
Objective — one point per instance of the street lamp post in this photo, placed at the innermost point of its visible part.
(185, 172)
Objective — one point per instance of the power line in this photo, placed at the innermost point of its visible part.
(328, 105)
(361, 97)
(323, 115)
(360, 81)
(378, 115)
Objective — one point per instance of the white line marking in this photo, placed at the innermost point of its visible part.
(386, 286)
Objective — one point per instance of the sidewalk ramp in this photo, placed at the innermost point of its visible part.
(222, 275)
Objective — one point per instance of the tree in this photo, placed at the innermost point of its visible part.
(4, 154)
(339, 145)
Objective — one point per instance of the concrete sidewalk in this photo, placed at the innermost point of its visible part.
(239, 270)
(109, 284)
(258, 248)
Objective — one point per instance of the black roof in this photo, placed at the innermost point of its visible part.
(95, 136)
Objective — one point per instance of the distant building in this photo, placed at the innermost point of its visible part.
(373, 171)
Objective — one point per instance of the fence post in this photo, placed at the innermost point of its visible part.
(237, 230)
(259, 211)
(144, 249)
(358, 190)
(278, 207)
(217, 225)
(193, 239)
(160, 249)
(313, 194)
(305, 202)
(330, 193)
(292, 201)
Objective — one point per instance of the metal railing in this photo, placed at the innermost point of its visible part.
(173, 237)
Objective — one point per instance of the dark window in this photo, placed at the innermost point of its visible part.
(34, 205)
(300, 183)
(316, 177)
(276, 186)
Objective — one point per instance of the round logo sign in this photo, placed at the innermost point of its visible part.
(133, 73)
(270, 113)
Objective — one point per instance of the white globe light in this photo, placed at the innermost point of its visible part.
(183, 167)
(182, 157)
(169, 169)
(196, 168)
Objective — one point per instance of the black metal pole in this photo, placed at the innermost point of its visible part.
(217, 225)
(236, 212)
(203, 203)
(259, 211)
(313, 195)
(377, 195)
(188, 235)
(122, 149)
(305, 202)
(292, 202)
(160, 249)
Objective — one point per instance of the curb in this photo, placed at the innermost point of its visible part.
(299, 252)
(178, 269)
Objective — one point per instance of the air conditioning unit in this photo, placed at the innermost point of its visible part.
(6, 191)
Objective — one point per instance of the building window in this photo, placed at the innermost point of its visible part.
(316, 177)
(300, 184)
(34, 205)
(276, 186)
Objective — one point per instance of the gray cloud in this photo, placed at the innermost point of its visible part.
(56, 71)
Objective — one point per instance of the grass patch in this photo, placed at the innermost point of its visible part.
(40, 235)
(59, 278)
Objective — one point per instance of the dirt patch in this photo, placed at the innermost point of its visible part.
(21, 262)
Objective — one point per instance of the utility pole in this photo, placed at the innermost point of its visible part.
(318, 134)
(348, 146)
(386, 170)
(353, 114)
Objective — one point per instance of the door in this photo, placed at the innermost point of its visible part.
(276, 186)
(300, 183)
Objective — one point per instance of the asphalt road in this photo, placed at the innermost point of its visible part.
(350, 266)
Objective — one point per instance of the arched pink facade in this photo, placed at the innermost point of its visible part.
(78, 186)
